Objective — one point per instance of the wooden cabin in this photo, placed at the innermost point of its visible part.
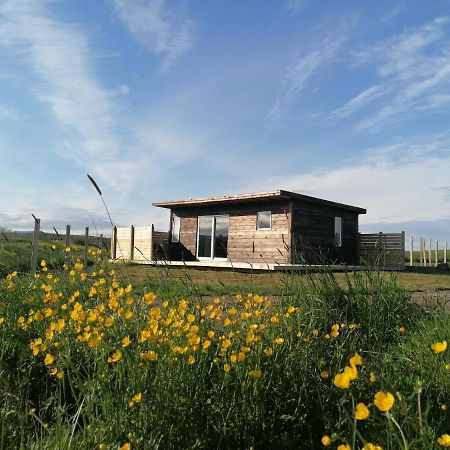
(271, 227)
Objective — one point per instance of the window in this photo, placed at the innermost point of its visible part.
(175, 229)
(264, 220)
(338, 231)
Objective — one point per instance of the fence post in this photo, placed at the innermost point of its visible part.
(132, 243)
(436, 258)
(411, 245)
(114, 243)
(429, 252)
(35, 244)
(445, 252)
(67, 235)
(151, 242)
(86, 246)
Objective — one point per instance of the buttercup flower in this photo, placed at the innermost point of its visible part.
(444, 440)
(342, 381)
(383, 401)
(439, 347)
(361, 412)
(326, 440)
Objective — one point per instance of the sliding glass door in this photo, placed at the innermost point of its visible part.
(212, 237)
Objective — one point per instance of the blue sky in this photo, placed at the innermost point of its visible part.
(168, 99)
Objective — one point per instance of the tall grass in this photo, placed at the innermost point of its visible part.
(236, 372)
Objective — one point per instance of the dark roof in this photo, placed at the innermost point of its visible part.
(253, 197)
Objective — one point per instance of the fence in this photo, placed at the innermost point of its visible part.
(87, 241)
(139, 244)
(429, 255)
(385, 250)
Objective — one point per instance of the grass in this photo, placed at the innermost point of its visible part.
(97, 359)
(211, 282)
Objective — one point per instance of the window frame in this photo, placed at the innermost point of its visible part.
(338, 228)
(257, 220)
(176, 224)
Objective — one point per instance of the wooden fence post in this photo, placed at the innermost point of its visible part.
(132, 243)
(86, 247)
(436, 254)
(151, 242)
(429, 252)
(411, 245)
(445, 252)
(67, 235)
(114, 243)
(35, 244)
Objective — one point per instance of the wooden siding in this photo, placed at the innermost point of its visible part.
(313, 234)
(245, 242)
(385, 250)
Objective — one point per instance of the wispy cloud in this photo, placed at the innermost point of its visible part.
(8, 113)
(402, 181)
(308, 64)
(160, 28)
(61, 75)
(359, 101)
(296, 5)
(413, 70)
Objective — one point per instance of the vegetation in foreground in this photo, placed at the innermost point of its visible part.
(88, 362)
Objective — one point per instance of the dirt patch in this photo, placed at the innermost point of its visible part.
(432, 297)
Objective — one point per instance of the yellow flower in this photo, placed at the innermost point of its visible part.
(268, 351)
(384, 401)
(191, 360)
(315, 332)
(370, 446)
(373, 378)
(361, 412)
(255, 373)
(67, 249)
(342, 380)
(48, 359)
(344, 447)
(351, 372)
(356, 360)
(43, 263)
(324, 374)
(53, 371)
(439, 347)
(226, 368)
(444, 440)
(402, 330)
(326, 440)
(206, 345)
(115, 357)
(149, 356)
(126, 341)
(126, 446)
(278, 341)
(137, 398)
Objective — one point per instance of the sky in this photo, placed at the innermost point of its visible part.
(170, 99)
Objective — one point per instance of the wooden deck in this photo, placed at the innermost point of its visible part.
(247, 266)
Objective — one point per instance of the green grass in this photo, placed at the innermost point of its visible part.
(278, 394)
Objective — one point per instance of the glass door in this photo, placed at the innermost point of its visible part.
(212, 237)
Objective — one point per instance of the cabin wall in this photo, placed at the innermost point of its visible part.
(313, 237)
(245, 242)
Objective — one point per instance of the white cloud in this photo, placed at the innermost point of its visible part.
(413, 70)
(397, 183)
(359, 101)
(60, 60)
(160, 28)
(308, 64)
(8, 113)
(297, 5)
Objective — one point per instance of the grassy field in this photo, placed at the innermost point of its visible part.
(132, 357)
(215, 281)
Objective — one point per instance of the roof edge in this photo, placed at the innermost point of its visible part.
(254, 196)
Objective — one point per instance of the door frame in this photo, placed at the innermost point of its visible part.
(213, 236)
